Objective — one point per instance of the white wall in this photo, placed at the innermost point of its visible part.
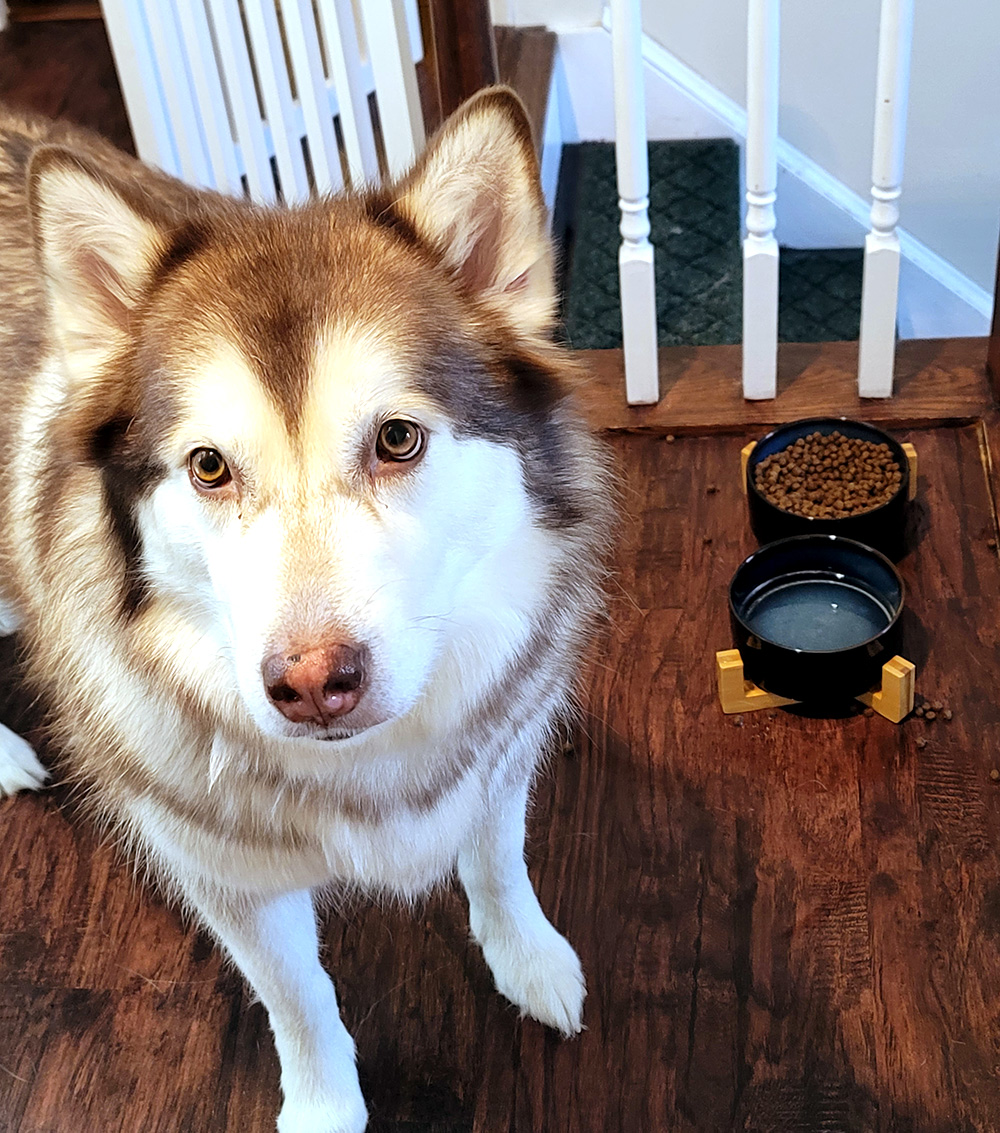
(558, 15)
(951, 189)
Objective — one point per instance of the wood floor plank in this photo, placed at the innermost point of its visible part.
(69, 914)
(789, 924)
(109, 1060)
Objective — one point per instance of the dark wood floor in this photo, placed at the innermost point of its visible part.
(789, 925)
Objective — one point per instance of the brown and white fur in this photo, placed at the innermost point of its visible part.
(331, 665)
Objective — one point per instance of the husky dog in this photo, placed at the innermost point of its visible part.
(302, 533)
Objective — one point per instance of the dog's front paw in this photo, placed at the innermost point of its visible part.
(346, 1114)
(19, 766)
(541, 974)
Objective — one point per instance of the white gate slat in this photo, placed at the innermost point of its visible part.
(171, 62)
(341, 41)
(391, 56)
(760, 248)
(635, 256)
(276, 93)
(209, 96)
(310, 82)
(128, 33)
(238, 75)
(880, 288)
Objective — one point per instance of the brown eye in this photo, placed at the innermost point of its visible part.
(208, 468)
(399, 440)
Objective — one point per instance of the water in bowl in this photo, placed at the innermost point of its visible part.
(817, 614)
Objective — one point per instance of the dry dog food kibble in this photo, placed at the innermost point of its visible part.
(829, 476)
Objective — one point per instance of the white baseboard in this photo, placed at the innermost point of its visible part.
(815, 209)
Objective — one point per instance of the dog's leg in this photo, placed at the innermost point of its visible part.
(19, 766)
(273, 942)
(10, 621)
(532, 965)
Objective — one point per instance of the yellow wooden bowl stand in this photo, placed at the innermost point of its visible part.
(893, 700)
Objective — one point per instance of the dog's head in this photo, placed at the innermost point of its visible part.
(331, 440)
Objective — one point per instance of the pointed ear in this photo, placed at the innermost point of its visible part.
(97, 250)
(475, 196)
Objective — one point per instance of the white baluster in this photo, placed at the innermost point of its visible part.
(234, 56)
(284, 124)
(175, 79)
(135, 62)
(391, 54)
(635, 257)
(310, 82)
(342, 38)
(760, 248)
(207, 92)
(880, 291)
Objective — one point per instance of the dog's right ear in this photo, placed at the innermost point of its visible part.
(475, 197)
(97, 248)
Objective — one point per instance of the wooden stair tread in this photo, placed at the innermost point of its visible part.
(937, 381)
(525, 58)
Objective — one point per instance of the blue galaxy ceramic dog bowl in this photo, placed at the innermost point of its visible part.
(881, 527)
(815, 617)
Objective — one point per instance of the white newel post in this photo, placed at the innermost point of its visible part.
(880, 290)
(760, 248)
(635, 257)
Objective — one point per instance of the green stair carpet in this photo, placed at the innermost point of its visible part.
(695, 207)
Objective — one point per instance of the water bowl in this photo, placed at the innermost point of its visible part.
(881, 527)
(816, 616)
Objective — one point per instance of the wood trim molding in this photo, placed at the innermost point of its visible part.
(464, 49)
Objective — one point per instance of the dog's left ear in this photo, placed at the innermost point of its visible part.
(475, 197)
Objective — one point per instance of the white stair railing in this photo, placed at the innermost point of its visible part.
(342, 42)
(635, 257)
(247, 95)
(880, 289)
(396, 82)
(760, 248)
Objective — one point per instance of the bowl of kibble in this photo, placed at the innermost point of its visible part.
(829, 475)
(815, 617)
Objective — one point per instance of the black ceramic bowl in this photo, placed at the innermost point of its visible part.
(882, 527)
(815, 617)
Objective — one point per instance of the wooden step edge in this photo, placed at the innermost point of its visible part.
(525, 62)
(938, 381)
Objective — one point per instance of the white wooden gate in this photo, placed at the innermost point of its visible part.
(277, 98)
(760, 257)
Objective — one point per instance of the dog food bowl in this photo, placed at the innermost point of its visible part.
(882, 527)
(816, 616)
